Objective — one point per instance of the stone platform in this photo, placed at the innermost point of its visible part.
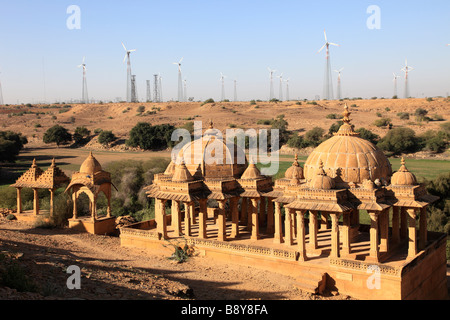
(423, 277)
(101, 226)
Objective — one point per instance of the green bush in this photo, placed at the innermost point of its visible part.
(81, 135)
(314, 136)
(149, 137)
(368, 135)
(10, 145)
(333, 116)
(399, 140)
(383, 122)
(106, 137)
(297, 141)
(403, 115)
(210, 100)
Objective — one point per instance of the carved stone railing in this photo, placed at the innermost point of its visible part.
(364, 266)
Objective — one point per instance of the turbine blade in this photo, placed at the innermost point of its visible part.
(324, 32)
(132, 50)
(181, 59)
(334, 44)
(125, 58)
(124, 46)
(321, 48)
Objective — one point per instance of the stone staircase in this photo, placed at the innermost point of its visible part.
(312, 281)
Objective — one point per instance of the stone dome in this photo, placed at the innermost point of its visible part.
(182, 174)
(211, 158)
(321, 180)
(294, 171)
(348, 158)
(252, 172)
(403, 177)
(90, 165)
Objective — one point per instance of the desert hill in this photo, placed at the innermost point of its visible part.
(33, 121)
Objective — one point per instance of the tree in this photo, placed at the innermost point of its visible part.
(399, 140)
(10, 145)
(314, 136)
(57, 134)
(149, 137)
(368, 135)
(81, 134)
(297, 141)
(105, 137)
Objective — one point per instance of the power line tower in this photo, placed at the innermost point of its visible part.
(156, 90)
(160, 89)
(134, 96)
(149, 93)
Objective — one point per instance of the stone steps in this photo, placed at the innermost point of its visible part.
(311, 281)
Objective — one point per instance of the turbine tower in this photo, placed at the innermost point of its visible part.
(287, 89)
(271, 95)
(1, 94)
(84, 92)
(281, 86)
(395, 84)
(235, 90)
(328, 84)
(222, 79)
(406, 69)
(127, 57)
(185, 98)
(339, 90)
(180, 81)
(149, 92)
(156, 89)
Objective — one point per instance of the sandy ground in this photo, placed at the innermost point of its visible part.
(110, 271)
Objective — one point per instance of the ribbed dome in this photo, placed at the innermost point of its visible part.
(321, 180)
(294, 171)
(90, 165)
(210, 157)
(403, 177)
(348, 158)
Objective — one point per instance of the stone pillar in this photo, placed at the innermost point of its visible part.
(187, 219)
(423, 228)
(374, 253)
(19, 200)
(250, 210)
(244, 214)
(163, 227)
(324, 220)
(75, 209)
(412, 232)
(278, 235)
(270, 217)
(346, 240)
(313, 230)
(52, 201)
(395, 225)
(234, 217)
(108, 209)
(262, 211)
(403, 223)
(384, 230)
(202, 216)
(288, 227)
(301, 235)
(176, 218)
(221, 222)
(254, 220)
(93, 210)
(192, 213)
(335, 235)
(35, 202)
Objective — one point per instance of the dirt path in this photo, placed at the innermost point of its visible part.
(110, 271)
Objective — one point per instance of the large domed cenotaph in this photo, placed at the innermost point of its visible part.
(306, 224)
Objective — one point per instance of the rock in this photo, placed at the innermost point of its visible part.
(124, 221)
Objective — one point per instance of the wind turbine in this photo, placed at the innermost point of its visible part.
(84, 92)
(406, 69)
(222, 78)
(328, 85)
(339, 91)
(235, 90)
(395, 84)
(271, 95)
(185, 90)
(180, 84)
(127, 57)
(281, 86)
(287, 89)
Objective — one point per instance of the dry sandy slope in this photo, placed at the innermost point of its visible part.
(110, 271)
(300, 117)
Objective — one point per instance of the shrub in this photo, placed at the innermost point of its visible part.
(81, 135)
(383, 122)
(265, 122)
(368, 135)
(435, 141)
(10, 145)
(314, 136)
(399, 140)
(57, 134)
(141, 109)
(297, 141)
(332, 116)
(106, 137)
(403, 115)
(210, 100)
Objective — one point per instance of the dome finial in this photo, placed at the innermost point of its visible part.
(295, 163)
(346, 115)
(347, 128)
(53, 163)
(33, 164)
(211, 125)
(403, 166)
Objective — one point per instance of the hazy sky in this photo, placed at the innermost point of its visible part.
(239, 38)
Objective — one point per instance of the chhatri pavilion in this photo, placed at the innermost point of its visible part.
(306, 224)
